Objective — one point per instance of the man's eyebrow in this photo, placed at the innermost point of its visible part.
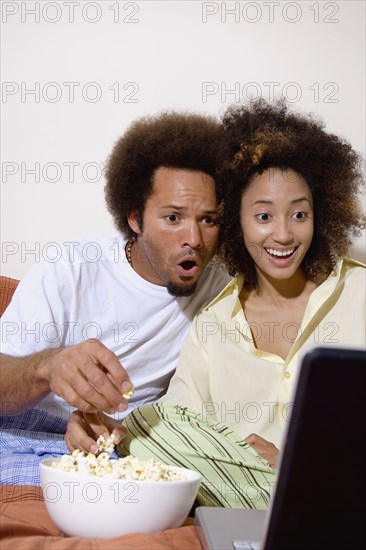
(173, 207)
(182, 208)
(263, 201)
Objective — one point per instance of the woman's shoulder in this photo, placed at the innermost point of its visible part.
(352, 263)
(354, 274)
(353, 266)
(224, 303)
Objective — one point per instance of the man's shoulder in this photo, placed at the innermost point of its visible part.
(214, 278)
(211, 283)
(89, 249)
(67, 259)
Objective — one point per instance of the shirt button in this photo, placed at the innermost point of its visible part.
(287, 374)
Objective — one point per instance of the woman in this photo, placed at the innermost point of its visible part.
(291, 211)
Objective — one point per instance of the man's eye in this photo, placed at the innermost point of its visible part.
(172, 218)
(209, 221)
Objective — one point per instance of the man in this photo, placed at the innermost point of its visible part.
(111, 302)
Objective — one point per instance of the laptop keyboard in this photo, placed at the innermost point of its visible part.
(246, 545)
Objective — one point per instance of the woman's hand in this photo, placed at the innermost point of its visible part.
(84, 429)
(264, 448)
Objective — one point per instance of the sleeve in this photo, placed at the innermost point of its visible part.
(189, 386)
(37, 314)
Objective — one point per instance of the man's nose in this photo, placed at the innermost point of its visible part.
(192, 235)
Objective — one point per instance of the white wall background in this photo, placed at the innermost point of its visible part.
(76, 73)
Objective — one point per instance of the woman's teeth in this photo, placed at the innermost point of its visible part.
(280, 253)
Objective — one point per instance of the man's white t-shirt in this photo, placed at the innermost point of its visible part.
(89, 290)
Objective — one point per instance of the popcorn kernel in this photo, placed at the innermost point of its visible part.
(129, 393)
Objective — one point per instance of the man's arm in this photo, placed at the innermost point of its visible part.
(189, 387)
(21, 386)
(88, 376)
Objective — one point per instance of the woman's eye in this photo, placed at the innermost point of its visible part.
(263, 217)
(299, 215)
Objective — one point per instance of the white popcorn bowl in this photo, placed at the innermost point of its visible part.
(88, 506)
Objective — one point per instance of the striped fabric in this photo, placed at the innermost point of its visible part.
(234, 476)
(26, 440)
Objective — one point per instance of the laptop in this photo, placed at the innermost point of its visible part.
(320, 495)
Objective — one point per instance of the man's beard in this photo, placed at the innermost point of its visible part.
(181, 290)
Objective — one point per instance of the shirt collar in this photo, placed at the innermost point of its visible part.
(232, 290)
(229, 295)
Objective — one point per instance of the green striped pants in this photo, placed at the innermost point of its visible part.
(233, 474)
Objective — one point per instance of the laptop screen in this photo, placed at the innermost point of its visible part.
(319, 501)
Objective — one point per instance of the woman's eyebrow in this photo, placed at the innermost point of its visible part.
(264, 201)
(300, 200)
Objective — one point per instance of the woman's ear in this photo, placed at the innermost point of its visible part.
(134, 221)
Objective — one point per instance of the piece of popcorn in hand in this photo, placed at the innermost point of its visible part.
(129, 393)
(106, 445)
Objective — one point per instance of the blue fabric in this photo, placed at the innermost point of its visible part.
(26, 440)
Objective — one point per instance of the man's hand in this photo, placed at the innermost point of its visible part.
(84, 429)
(264, 448)
(88, 376)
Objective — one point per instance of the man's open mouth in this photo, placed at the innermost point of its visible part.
(188, 264)
(188, 267)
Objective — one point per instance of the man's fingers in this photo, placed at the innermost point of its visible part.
(81, 392)
(106, 375)
(81, 442)
(82, 434)
(119, 432)
(85, 427)
(73, 398)
(90, 373)
(108, 360)
(100, 391)
(101, 424)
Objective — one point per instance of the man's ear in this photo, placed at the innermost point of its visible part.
(133, 219)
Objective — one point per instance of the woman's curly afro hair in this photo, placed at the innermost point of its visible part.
(261, 136)
(175, 140)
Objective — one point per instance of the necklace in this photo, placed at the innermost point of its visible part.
(128, 252)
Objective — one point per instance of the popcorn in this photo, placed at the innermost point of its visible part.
(128, 468)
(129, 393)
(133, 469)
(106, 445)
